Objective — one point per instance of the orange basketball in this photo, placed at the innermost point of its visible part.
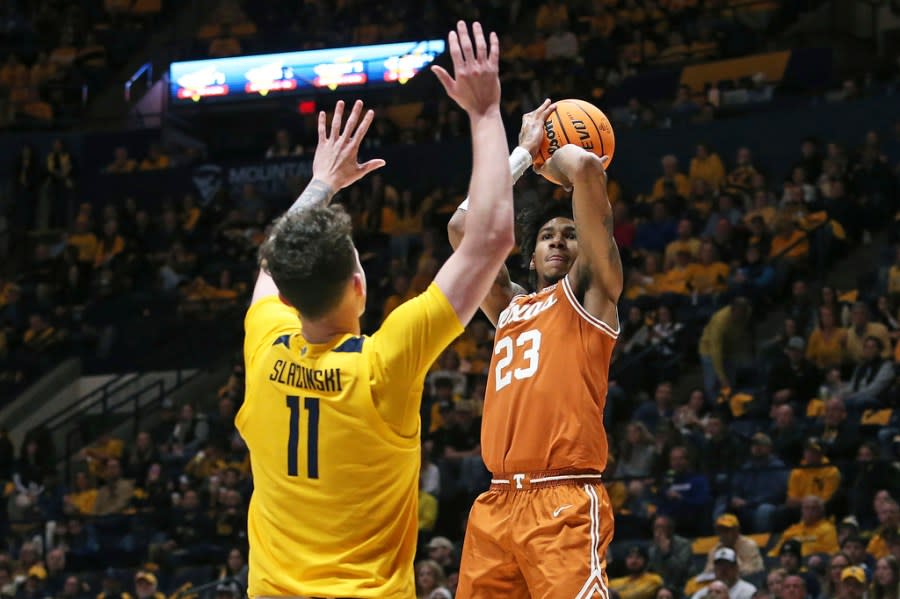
(577, 122)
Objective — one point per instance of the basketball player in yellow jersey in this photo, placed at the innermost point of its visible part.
(331, 417)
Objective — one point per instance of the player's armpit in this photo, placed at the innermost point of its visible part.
(267, 319)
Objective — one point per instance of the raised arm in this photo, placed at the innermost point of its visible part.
(596, 277)
(334, 167)
(468, 274)
(530, 136)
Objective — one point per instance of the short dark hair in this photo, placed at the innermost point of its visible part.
(533, 215)
(310, 255)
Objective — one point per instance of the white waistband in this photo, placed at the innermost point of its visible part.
(503, 481)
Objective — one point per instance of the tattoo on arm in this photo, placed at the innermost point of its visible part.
(316, 193)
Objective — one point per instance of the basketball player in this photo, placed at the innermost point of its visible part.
(331, 417)
(543, 527)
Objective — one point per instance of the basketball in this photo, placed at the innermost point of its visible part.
(577, 122)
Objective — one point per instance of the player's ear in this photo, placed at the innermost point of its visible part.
(531, 263)
(359, 285)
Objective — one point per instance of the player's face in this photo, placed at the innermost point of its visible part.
(555, 250)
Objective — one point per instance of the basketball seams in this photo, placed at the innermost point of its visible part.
(562, 125)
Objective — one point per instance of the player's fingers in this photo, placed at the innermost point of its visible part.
(480, 45)
(336, 119)
(444, 77)
(546, 109)
(363, 128)
(604, 160)
(323, 135)
(455, 51)
(465, 42)
(495, 51)
(371, 165)
(353, 119)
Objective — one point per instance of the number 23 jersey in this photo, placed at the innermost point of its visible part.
(547, 384)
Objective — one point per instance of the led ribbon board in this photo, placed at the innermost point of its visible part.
(292, 73)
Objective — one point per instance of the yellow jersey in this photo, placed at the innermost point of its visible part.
(333, 434)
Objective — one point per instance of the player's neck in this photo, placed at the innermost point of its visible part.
(330, 328)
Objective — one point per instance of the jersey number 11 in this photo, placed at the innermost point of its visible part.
(311, 404)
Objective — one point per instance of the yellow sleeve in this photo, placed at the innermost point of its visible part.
(831, 483)
(795, 485)
(826, 539)
(266, 320)
(402, 350)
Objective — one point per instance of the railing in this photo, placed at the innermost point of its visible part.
(144, 69)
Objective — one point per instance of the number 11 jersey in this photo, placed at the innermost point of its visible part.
(333, 434)
(547, 384)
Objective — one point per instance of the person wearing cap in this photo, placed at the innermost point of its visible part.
(816, 476)
(670, 555)
(749, 558)
(145, 586)
(725, 569)
(853, 583)
(443, 551)
(638, 583)
(790, 558)
(815, 532)
(793, 378)
(759, 487)
(871, 378)
(848, 527)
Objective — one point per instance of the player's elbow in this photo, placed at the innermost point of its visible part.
(456, 228)
(500, 241)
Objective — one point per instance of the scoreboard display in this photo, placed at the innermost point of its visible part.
(293, 73)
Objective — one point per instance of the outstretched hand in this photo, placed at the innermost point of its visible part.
(532, 132)
(337, 152)
(476, 86)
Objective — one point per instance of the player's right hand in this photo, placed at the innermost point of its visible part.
(335, 162)
(476, 86)
(531, 135)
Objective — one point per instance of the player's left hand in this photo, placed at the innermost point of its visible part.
(335, 162)
(532, 132)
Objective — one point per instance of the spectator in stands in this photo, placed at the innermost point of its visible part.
(854, 547)
(442, 551)
(726, 210)
(815, 477)
(860, 329)
(886, 578)
(637, 453)
(59, 184)
(760, 485)
(853, 583)
(707, 166)
(871, 378)
(827, 342)
(669, 554)
(189, 434)
(793, 378)
(684, 493)
(114, 495)
(795, 587)
(121, 163)
(655, 234)
(155, 159)
(755, 277)
(146, 586)
(838, 434)
(726, 570)
(686, 241)
(671, 175)
(639, 583)
(787, 436)
(888, 513)
(708, 276)
(283, 147)
(721, 343)
(431, 581)
(815, 533)
(749, 559)
(720, 449)
(459, 444)
(650, 414)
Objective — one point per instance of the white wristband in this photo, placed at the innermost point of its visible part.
(519, 161)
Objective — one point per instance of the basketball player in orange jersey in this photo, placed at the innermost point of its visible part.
(543, 528)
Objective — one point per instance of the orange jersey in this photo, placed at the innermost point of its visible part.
(547, 383)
